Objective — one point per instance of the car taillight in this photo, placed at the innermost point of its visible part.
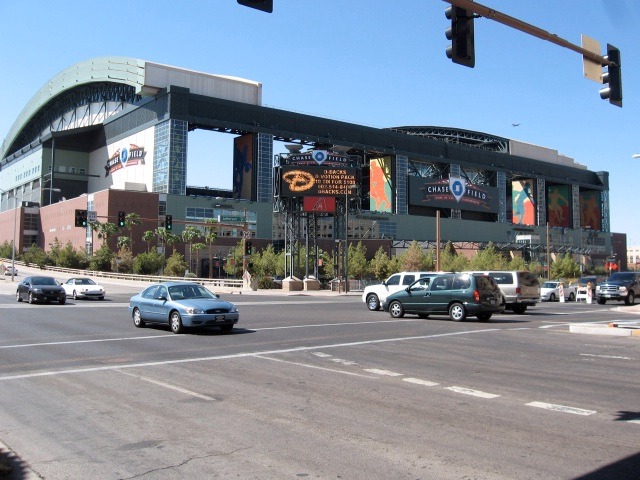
(476, 296)
(518, 290)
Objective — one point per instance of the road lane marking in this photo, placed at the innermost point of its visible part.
(168, 385)
(418, 381)
(235, 355)
(615, 357)
(387, 373)
(97, 340)
(561, 408)
(299, 364)
(474, 393)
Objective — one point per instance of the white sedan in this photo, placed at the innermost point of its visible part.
(550, 291)
(11, 271)
(83, 287)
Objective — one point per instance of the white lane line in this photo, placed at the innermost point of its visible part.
(168, 385)
(561, 408)
(299, 364)
(634, 421)
(72, 342)
(387, 373)
(417, 381)
(475, 393)
(337, 324)
(615, 357)
(237, 355)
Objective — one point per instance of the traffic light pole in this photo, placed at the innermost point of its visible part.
(512, 22)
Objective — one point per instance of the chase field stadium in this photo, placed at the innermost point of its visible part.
(111, 135)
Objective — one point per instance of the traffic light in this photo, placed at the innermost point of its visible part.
(81, 218)
(168, 222)
(121, 219)
(612, 78)
(460, 33)
(264, 5)
(247, 247)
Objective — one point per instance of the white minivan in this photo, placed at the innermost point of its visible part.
(520, 288)
(374, 295)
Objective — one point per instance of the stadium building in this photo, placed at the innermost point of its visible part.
(111, 135)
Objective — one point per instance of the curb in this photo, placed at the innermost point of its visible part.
(594, 329)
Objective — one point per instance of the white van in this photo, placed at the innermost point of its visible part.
(520, 288)
(374, 295)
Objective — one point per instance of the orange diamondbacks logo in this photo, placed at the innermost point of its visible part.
(298, 180)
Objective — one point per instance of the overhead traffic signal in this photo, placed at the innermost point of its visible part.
(612, 78)
(248, 248)
(264, 5)
(81, 218)
(121, 219)
(168, 222)
(462, 49)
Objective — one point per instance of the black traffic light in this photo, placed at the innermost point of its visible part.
(121, 219)
(461, 50)
(81, 218)
(612, 78)
(247, 247)
(264, 5)
(168, 222)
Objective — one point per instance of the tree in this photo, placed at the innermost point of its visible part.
(415, 259)
(130, 220)
(189, 234)
(149, 263)
(197, 247)
(565, 267)
(210, 236)
(380, 264)
(171, 239)
(148, 237)
(450, 261)
(357, 260)
(5, 249)
(102, 259)
(176, 266)
(489, 259)
(104, 229)
(234, 262)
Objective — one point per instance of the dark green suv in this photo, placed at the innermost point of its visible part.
(458, 295)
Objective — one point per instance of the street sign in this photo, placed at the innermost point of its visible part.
(92, 216)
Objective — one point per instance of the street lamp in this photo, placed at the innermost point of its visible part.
(346, 235)
(15, 227)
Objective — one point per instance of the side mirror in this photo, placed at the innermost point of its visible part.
(162, 297)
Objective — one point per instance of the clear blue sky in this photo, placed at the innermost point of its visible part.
(373, 62)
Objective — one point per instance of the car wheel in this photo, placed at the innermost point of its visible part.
(176, 322)
(631, 299)
(18, 297)
(137, 318)
(519, 309)
(75, 295)
(483, 317)
(226, 328)
(552, 297)
(373, 303)
(100, 298)
(396, 310)
(601, 301)
(457, 313)
(572, 297)
(31, 299)
(62, 301)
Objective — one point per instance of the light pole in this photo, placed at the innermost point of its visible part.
(346, 236)
(15, 228)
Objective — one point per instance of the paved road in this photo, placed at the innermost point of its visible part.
(317, 386)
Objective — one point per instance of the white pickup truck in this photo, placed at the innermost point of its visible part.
(374, 295)
(550, 291)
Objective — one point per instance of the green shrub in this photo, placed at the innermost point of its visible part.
(148, 263)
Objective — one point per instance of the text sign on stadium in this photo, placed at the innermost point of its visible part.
(297, 181)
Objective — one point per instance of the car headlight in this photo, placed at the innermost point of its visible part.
(233, 309)
(193, 310)
(37, 290)
(622, 289)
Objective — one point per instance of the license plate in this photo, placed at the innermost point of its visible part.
(219, 317)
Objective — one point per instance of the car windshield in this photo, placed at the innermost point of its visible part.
(43, 281)
(549, 285)
(183, 292)
(84, 281)
(622, 276)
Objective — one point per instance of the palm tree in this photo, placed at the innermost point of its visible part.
(197, 247)
(210, 236)
(129, 221)
(105, 230)
(148, 237)
(189, 234)
(171, 239)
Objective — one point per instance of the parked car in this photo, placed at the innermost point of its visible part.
(550, 291)
(40, 289)
(182, 305)
(374, 295)
(621, 286)
(520, 288)
(458, 295)
(83, 287)
(585, 281)
(10, 270)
